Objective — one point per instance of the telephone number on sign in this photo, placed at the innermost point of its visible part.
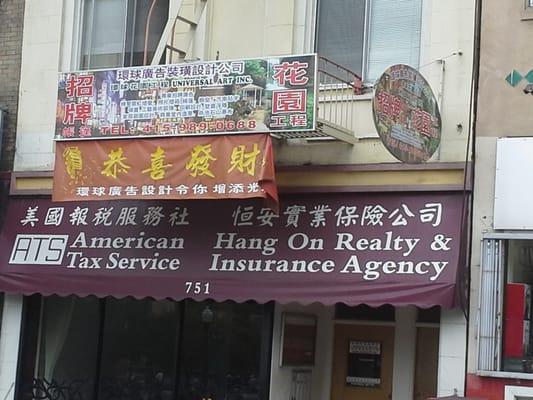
(203, 126)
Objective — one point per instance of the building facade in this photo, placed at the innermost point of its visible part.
(499, 332)
(287, 338)
(11, 35)
(11, 21)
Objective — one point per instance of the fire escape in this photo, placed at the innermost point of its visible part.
(336, 85)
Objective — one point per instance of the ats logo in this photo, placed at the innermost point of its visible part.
(39, 249)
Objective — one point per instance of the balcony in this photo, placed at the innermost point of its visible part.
(336, 89)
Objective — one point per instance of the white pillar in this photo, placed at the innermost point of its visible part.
(9, 344)
(403, 374)
(281, 377)
(452, 353)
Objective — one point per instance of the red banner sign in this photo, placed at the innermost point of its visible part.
(213, 167)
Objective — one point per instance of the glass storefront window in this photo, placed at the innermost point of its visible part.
(118, 349)
(221, 352)
(68, 346)
(138, 357)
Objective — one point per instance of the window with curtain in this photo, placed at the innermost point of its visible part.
(117, 349)
(113, 32)
(368, 36)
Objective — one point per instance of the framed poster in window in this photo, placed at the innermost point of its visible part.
(364, 364)
(298, 336)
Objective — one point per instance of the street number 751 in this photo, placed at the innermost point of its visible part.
(196, 287)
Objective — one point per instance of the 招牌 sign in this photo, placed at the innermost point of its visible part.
(214, 97)
(338, 247)
(406, 114)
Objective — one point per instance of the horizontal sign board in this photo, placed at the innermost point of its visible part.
(214, 97)
(328, 248)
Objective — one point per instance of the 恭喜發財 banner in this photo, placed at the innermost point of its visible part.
(203, 167)
(328, 248)
(214, 97)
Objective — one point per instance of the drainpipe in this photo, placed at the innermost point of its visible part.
(146, 31)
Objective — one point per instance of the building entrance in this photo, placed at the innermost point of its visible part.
(362, 362)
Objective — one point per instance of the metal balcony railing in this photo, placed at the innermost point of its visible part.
(335, 113)
(337, 87)
(335, 110)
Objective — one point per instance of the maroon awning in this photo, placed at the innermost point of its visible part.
(374, 249)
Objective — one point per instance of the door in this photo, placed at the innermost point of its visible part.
(362, 362)
(427, 362)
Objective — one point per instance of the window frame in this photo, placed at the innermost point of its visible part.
(482, 312)
(366, 37)
(31, 341)
(526, 10)
(82, 44)
(517, 392)
(76, 42)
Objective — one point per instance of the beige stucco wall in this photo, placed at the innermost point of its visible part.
(38, 85)
(504, 110)
(452, 348)
(482, 222)
(248, 28)
(447, 28)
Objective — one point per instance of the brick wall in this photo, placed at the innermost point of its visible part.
(11, 22)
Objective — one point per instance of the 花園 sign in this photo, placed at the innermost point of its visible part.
(406, 114)
(238, 96)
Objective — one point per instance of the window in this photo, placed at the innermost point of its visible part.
(505, 337)
(103, 349)
(365, 313)
(366, 36)
(114, 31)
(518, 393)
(527, 10)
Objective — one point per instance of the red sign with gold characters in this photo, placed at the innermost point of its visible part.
(208, 167)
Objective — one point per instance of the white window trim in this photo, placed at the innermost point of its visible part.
(506, 375)
(490, 305)
(72, 36)
(70, 51)
(307, 43)
(513, 392)
(311, 38)
(504, 237)
(526, 10)
(366, 43)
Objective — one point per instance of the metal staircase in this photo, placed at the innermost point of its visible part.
(337, 87)
(180, 29)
